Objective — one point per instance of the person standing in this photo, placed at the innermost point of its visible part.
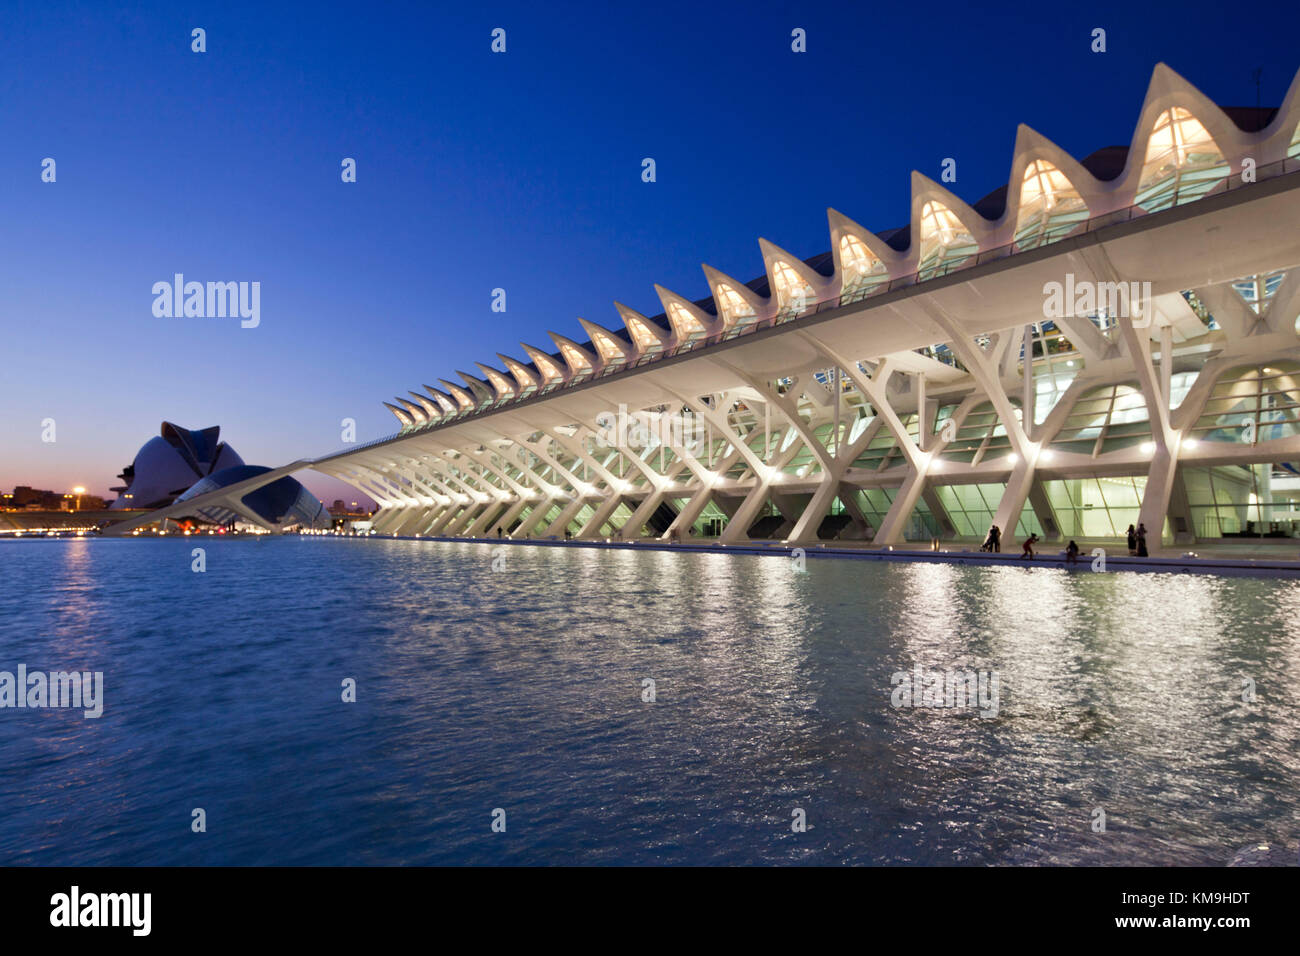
(1132, 541)
(996, 534)
(1072, 553)
(1142, 541)
(1028, 550)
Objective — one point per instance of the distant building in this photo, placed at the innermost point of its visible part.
(35, 499)
(180, 464)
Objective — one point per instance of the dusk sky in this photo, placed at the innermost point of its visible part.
(478, 170)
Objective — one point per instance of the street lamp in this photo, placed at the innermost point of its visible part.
(78, 491)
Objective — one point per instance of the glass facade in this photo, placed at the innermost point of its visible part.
(794, 294)
(863, 270)
(981, 435)
(971, 509)
(1244, 500)
(1105, 419)
(688, 327)
(945, 242)
(1252, 404)
(647, 342)
(735, 310)
(1050, 207)
(1182, 162)
(1095, 507)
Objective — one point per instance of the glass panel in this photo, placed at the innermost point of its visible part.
(1050, 206)
(863, 271)
(1182, 162)
(945, 242)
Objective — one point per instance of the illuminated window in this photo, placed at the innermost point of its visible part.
(1105, 419)
(1294, 150)
(611, 352)
(1182, 162)
(503, 387)
(982, 435)
(527, 383)
(577, 361)
(735, 310)
(945, 242)
(1243, 500)
(647, 342)
(794, 293)
(461, 396)
(550, 371)
(863, 271)
(1095, 507)
(972, 508)
(1252, 404)
(1050, 206)
(417, 413)
(689, 328)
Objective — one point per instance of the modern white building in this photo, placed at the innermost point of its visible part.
(1101, 342)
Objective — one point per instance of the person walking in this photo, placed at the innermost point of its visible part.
(1132, 541)
(1142, 541)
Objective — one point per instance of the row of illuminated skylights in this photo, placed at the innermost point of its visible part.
(1182, 164)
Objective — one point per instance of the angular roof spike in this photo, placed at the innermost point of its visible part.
(443, 399)
(1288, 114)
(505, 388)
(841, 226)
(462, 397)
(687, 319)
(735, 300)
(1166, 90)
(519, 370)
(579, 359)
(647, 335)
(610, 346)
(416, 411)
(480, 388)
(550, 369)
(429, 407)
(402, 416)
(925, 189)
(772, 254)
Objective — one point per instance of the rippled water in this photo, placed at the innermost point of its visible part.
(522, 690)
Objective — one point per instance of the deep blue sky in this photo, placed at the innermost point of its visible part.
(478, 170)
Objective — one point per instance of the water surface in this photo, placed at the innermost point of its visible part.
(521, 689)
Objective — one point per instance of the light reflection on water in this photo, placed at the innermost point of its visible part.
(521, 689)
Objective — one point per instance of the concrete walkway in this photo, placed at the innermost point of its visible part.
(1168, 561)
